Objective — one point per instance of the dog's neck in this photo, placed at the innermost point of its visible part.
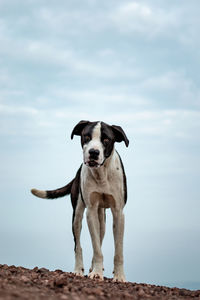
(100, 174)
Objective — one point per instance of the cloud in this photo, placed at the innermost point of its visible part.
(67, 20)
(4, 78)
(160, 123)
(143, 18)
(176, 85)
(147, 19)
(103, 96)
(64, 58)
(17, 110)
(101, 76)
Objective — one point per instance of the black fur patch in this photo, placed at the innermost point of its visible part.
(75, 190)
(74, 198)
(124, 179)
(61, 192)
(86, 134)
(107, 139)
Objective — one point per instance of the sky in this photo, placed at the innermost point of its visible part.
(128, 63)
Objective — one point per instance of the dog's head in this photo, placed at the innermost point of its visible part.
(97, 140)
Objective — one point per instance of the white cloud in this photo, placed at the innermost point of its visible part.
(17, 110)
(4, 78)
(160, 123)
(144, 19)
(52, 54)
(69, 20)
(48, 53)
(68, 58)
(91, 96)
(166, 21)
(107, 52)
(182, 89)
(169, 81)
(2, 28)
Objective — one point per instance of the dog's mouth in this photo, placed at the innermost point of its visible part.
(92, 163)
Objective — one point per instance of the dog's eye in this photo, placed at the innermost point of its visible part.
(106, 141)
(87, 138)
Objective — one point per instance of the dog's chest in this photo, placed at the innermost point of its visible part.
(105, 188)
(102, 200)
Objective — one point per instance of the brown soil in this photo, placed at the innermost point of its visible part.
(36, 284)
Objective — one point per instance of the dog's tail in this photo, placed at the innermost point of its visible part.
(65, 190)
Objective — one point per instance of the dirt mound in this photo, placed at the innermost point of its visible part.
(22, 283)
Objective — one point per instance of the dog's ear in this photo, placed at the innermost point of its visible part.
(79, 127)
(120, 135)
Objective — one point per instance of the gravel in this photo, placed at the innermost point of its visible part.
(37, 284)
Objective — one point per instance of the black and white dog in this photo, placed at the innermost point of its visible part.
(100, 183)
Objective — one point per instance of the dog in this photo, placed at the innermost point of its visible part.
(99, 183)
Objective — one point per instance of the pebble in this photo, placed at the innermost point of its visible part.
(25, 278)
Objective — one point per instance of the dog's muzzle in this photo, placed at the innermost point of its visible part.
(93, 158)
(93, 163)
(94, 153)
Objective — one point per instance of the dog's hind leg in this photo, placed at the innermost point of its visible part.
(76, 228)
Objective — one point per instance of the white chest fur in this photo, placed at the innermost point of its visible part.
(103, 186)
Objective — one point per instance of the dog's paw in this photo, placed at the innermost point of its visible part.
(79, 272)
(96, 275)
(119, 277)
(90, 270)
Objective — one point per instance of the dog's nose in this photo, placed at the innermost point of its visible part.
(94, 153)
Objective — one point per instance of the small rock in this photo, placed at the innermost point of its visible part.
(91, 297)
(15, 294)
(51, 283)
(64, 297)
(58, 271)
(5, 266)
(184, 292)
(127, 295)
(60, 281)
(46, 282)
(142, 294)
(97, 291)
(34, 276)
(25, 278)
(43, 270)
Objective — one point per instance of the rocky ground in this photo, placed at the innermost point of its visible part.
(38, 284)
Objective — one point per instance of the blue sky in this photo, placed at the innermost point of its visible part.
(129, 63)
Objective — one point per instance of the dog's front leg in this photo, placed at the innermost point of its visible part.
(118, 231)
(94, 228)
(102, 223)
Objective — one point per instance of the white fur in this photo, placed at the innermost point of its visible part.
(38, 193)
(95, 143)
